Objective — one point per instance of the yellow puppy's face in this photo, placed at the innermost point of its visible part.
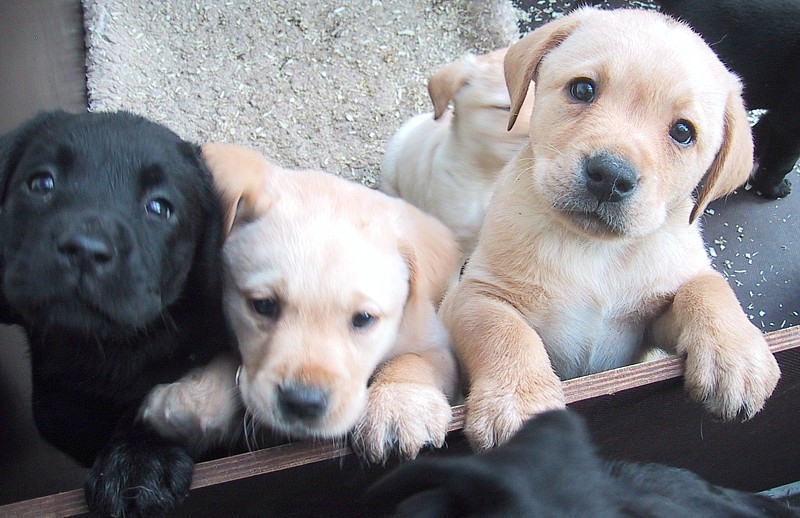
(316, 299)
(476, 87)
(319, 273)
(624, 129)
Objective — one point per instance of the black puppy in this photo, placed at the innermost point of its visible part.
(549, 468)
(760, 41)
(110, 233)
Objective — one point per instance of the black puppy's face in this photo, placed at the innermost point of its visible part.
(101, 216)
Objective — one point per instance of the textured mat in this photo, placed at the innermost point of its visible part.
(311, 84)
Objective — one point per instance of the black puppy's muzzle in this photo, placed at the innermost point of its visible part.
(609, 178)
(89, 246)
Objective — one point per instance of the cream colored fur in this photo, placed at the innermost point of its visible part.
(327, 250)
(561, 285)
(447, 162)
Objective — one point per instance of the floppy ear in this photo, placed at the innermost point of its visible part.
(430, 251)
(13, 144)
(734, 161)
(445, 82)
(241, 176)
(522, 60)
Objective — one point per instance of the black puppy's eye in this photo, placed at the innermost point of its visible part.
(582, 90)
(41, 183)
(269, 308)
(682, 132)
(159, 207)
(362, 320)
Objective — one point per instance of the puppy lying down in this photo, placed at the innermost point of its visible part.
(549, 468)
(447, 162)
(591, 250)
(330, 289)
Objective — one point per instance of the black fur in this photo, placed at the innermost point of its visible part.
(549, 468)
(760, 41)
(115, 298)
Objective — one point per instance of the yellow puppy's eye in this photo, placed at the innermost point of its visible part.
(269, 308)
(362, 320)
(682, 132)
(582, 90)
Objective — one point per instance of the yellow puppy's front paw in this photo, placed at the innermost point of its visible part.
(495, 411)
(734, 377)
(166, 409)
(402, 418)
(187, 412)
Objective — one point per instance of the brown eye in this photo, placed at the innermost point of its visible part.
(362, 320)
(582, 90)
(269, 308)
(682, 132)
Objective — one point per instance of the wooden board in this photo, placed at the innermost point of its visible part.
(638, 413)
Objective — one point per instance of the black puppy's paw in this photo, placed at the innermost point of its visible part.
(771, 190)
(144, 478)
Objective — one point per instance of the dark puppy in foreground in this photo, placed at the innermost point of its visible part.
(549, 468)
(109, 259)
(760, 41)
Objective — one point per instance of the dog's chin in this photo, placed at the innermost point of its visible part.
(75, 315)
(326, 426)
(77, 321)
(595, 224)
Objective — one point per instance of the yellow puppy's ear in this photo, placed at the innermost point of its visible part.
(241, 176)
(734, 161)
(523, 57)
(430, 251)
(445, 82)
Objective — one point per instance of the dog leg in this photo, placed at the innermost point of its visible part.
(406, 408)
(199, 410)
(138, 473)
(509, 373)
(729, 367)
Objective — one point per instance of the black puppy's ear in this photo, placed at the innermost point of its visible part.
(13, 144)
(440, 488)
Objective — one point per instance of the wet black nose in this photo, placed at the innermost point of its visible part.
(87, 249)
(303, 401)
(610, 178)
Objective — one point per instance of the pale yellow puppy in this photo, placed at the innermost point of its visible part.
(591, 250)
(330, 289)
(447, 162)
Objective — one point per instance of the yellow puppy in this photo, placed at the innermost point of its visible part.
(591, 250)
(330, 289)
(447, 162)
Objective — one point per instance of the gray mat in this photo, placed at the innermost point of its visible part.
(311, 84)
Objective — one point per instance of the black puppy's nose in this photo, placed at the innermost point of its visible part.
(87, 249)
(610, 178)
(303, 401)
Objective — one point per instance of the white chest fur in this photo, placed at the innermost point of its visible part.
(593, 300)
